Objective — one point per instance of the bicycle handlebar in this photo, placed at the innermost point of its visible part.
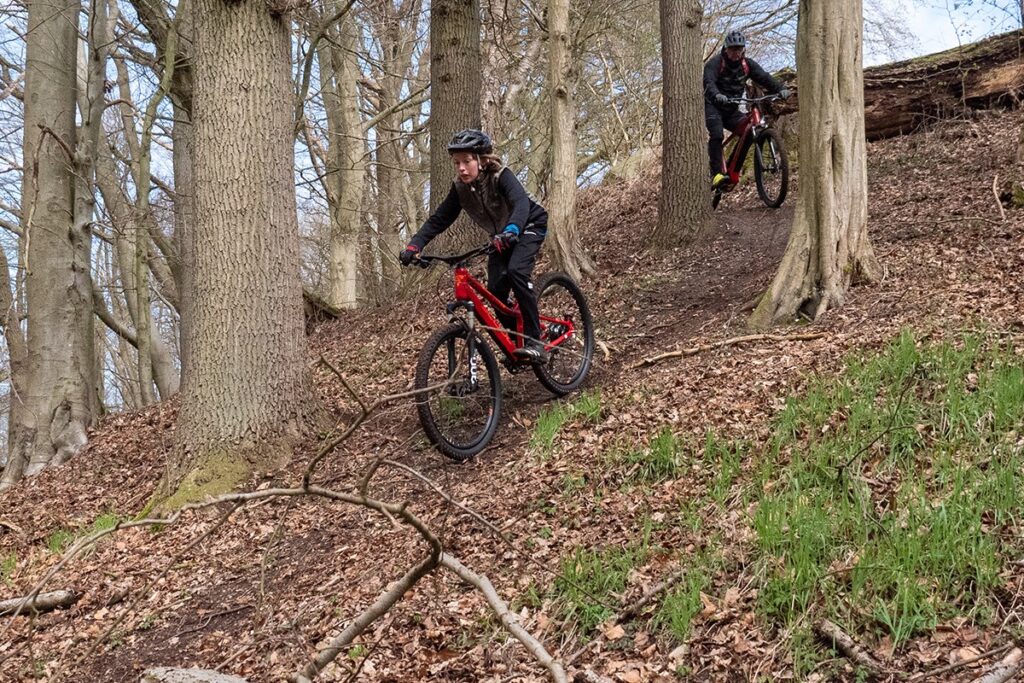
(755, 100)
(426, 259)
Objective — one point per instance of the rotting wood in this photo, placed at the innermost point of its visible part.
(732, 341)
(43, 602)
(899, 97)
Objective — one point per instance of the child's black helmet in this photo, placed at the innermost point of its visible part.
(471, 140)
(735, 39)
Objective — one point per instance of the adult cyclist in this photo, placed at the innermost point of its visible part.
(725, 78)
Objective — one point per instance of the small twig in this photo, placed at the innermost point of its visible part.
(958, 665)
(891, 428)
(211, 617)
(995, 193)
(1006, 669)
(60, 141)
(650, 595)
(831, 633)
(694, 350)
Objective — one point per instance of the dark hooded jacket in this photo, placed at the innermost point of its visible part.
(730, 78)
(495, 200)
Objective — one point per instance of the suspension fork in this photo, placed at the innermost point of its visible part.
(469, 322)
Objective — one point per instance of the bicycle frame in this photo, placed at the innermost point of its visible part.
(743, 136)
(472, 294)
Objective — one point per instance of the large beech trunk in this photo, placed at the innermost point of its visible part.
(55, 373)
(828, 246)
(683, 206)
(246, 393)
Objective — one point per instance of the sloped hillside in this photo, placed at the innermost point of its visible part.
(700, 469)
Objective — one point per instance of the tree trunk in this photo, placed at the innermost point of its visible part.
(455, 83)
(828, 246)
(57, 401)
(683, 206)
(563, 240)
(246, 394)
(346, 168)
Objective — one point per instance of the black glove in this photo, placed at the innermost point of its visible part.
(406, 256)
(784, 93)
(504, 241)
(721, 99)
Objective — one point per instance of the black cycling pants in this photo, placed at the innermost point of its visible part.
(512, 271)
(717, 120)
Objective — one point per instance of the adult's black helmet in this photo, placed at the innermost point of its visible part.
(735, 39)
(471, 140)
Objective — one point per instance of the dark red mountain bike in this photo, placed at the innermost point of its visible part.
(461, 404)
(771, 168)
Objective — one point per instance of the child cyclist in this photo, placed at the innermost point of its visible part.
(493, 197)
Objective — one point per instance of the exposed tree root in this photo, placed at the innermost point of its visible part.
(694, 350)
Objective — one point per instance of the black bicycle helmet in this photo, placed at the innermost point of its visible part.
(471, 140)
(735, 39)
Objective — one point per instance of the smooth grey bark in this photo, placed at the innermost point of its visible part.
(346, 165)
(55, 402)
(828, 246)
(563, 241)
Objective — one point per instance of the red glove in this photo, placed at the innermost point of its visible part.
(504, 241)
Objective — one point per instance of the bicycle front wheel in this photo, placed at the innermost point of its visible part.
(771, 168)
(560, 302)
(461, 401)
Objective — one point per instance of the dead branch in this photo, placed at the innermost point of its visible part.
(508, 620)
(379, 608)
(1006, 669)
(41, 602)
(650, 595)
(832, 634)
(999, 203)
(694, 350)
(958, 665)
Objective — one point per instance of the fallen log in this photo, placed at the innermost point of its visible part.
(1005, 670)
(165, 674)
(899, 97)
(44, 602)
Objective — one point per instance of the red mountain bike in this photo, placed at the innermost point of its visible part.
(458, 372)
(771, 168)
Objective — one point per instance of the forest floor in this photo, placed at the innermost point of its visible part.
(686, 465)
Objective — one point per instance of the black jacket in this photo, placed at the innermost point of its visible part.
(730, 78)
(494, 201)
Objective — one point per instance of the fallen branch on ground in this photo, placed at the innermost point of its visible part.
(33, 604)
(694, 350)
(508, 619)
(830, 632)
(1010, 666)
(958, 665)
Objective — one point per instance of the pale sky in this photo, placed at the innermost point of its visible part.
(943, 24)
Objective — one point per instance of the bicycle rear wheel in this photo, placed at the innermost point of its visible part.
(460, 412)
(559, 299)
(771, 168)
